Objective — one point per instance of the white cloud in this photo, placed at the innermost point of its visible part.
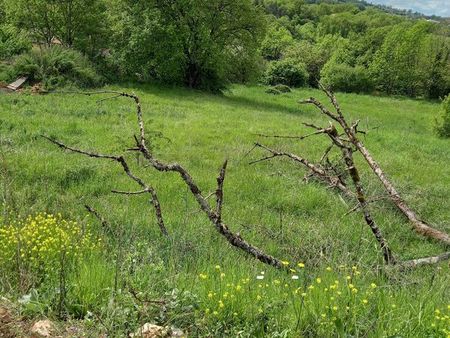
(429, 7)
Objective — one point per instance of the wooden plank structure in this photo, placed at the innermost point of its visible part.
(18, 83)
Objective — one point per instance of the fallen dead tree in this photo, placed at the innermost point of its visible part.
(348, 143)
(212, 211)
(351, 132)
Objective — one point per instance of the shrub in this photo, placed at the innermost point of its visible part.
(287, 72)
(57, 66)
(12, 41)
(37, 243)
(342, 77)
(283, 88)
(273, 91)
(443, 126)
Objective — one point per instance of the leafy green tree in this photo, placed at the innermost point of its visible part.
(12, 41)
(314, 55)
(277, 40)
(443, 125)
(75, 23)
(287, 72)
(437, 58)
(403, 64)
(195, 42)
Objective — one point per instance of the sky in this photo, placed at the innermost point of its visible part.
(429, 7)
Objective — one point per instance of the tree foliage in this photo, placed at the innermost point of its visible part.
(198, 43)
(74, 23)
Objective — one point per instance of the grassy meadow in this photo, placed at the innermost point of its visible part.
(208, 288)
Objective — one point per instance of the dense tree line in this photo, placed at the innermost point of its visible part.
(349, 45)
(359, 48)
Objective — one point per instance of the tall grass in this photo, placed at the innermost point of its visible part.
(268, 204)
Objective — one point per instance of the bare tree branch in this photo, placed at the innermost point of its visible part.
(233, 239)
(425, 261)
(219, 191)
(318, 172)
(154, 200)
(419, 225)
(105, 224)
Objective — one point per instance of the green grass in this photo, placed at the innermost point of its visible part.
(267, 203)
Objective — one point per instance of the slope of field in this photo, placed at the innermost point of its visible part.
(267, 203)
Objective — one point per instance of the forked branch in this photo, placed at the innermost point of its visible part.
(419, 225)
(214, 214)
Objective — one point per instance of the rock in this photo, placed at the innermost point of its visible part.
(5, 316)
(42, 329)
(155, 331)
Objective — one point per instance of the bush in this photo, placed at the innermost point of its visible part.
(342, 77)
(39, 242)
(57, 66)
(12, 41)
(273, 91)
(287, 72)
(443, 126)
(283, 88)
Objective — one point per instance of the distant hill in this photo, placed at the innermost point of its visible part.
(388, 9)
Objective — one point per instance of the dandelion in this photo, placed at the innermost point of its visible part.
(329, 268)
(276, 282)
(373, 285)
(285, 263)
(215, 313)
(210, 295)
(301, 265)
(334, 308)
(238, 287)
(365, 301)
(217, 267)
(318, 280)
(203, 276)
(221, 305)
(222, 275)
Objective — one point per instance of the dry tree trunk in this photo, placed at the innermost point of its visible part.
(346, 146)
(347, 153)
(213, 214)
(419, 226)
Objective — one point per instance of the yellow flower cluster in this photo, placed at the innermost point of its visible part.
(333, 300)
(441, 321)
(43, 239)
